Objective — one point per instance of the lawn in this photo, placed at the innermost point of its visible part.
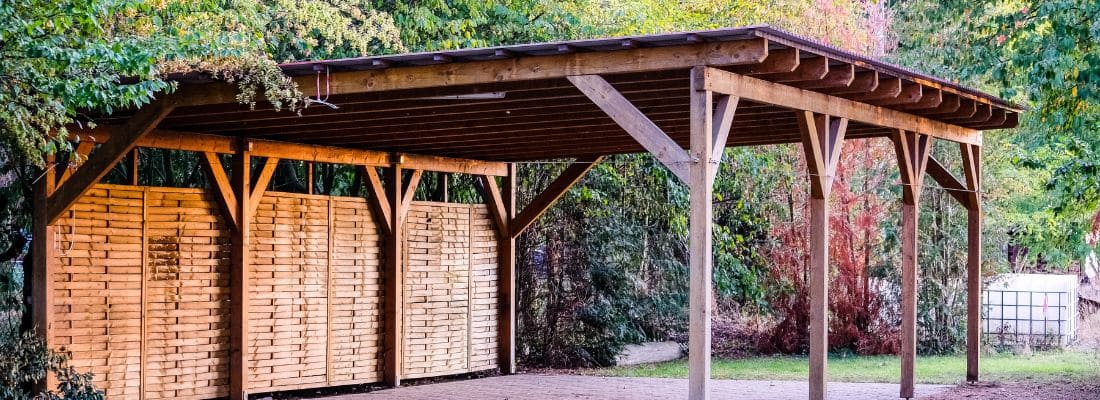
(951, 369)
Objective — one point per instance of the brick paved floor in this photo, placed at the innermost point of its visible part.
(547, 387)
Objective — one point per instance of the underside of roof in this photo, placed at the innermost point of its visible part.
(541, 115)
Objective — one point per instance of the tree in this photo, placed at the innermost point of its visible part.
(1043, 178)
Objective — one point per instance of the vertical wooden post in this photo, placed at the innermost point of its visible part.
(239, 272)
(134, 164)
(909, 216)
(912, 151)
(44, 263)
(971, 155)
(506, 257)
(822, 139)
(393, 273)
(700, 188)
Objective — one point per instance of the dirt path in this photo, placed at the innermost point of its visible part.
(1058, 390)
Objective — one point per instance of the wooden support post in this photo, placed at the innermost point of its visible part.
(134, 163)
(822, 139)
(397, 199)
(972, 168)
(913, 150)
(239, 273)
(506, 259)
(44, 263)
(501, 201)
(700, 187)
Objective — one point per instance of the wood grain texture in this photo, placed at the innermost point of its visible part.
(799, 99)
(240, 278)
(635, 123)
(548, 196)
(101, 161)
(700, 224)
(972, 169)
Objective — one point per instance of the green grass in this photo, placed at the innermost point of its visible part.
(1047, 366)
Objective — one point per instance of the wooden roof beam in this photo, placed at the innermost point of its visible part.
(799, 99)
(910, 94)
(930, 98)
(810, 69)
(863, 82)
(951, 103)
(837, 77)
(889, 88)
(778, 61)
(742, 52)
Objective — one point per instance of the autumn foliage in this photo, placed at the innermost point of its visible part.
(857, 320)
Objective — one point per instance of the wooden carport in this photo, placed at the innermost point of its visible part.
(682, 97)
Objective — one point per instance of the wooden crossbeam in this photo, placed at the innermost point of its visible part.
(223, 189)
(81, 151)
(410, 189)
(110, 153)
(635, 123)
(822, 138)
(971, 155)
(190, 141)
(490, 191)
(262, 181)
(725, 108)
(378, 200)
(913, 151)
(799, 99)
(552, 193)
(947, 180)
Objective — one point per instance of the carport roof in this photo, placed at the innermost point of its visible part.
(514, 103)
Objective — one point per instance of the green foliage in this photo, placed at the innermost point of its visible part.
(452, 24)
(1044, 175)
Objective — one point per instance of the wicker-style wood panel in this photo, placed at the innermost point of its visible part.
(98, 287)
(450, 247)
(187, 289)
(288, 315)
(143, 286)
(356, 307)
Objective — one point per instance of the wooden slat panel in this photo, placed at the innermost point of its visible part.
(187, 279)
(289, 293)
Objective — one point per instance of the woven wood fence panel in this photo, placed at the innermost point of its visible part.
(148, 264)
(102, 292)
(449, 298)
(315, 317)
(187, 294)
